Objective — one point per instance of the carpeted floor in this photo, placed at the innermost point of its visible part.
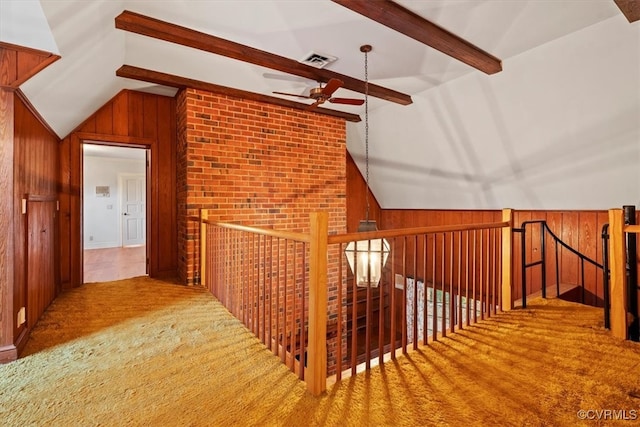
(144, 352)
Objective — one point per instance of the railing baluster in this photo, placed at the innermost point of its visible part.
(404, 295)
(443, 285)
(466, 279)
(354, 316)
(414, 322)
(434, 296)
(286, 342)
(451, 305)
(425, 302)
(302, 317)
(341, 303)
(392, 333)
(459, 281)
(381, 313)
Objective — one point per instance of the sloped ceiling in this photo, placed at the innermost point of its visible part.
(570, 84)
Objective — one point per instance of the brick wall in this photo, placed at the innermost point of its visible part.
(259, 165)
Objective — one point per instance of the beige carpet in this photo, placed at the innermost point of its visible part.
(145, 352)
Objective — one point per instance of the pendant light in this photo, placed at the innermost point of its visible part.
(367, 257)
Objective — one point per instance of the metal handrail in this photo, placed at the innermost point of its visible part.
(605, 275)
(542, 260)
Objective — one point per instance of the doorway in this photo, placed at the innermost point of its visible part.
(114, 212)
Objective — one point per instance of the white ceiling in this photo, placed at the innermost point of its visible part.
(92, 50)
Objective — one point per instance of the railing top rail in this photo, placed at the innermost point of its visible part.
(289, 235)
(559, 240)
(400, 232)
(631, 229)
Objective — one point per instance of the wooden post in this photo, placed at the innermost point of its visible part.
(316, 373)
(618, 273)
(507, 260)
(204, 215)
(8, 351)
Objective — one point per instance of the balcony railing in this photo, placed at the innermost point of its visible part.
(294, 291)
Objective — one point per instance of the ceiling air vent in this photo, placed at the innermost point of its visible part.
(318, 60)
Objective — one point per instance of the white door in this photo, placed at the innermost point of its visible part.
(133, 210)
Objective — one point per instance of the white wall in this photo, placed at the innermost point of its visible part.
(22, 23)
(558, 128)
(101, 215)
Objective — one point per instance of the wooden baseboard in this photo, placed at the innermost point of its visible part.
(22, 339)
(8, 354)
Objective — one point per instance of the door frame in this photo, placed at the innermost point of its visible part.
(112, 141)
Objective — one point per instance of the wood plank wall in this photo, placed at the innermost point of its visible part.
(129, 119)
(35, 179)
(8, 350)
(356, 198)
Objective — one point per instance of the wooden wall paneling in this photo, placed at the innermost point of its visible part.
(128, 119)
(356, 195)
(89, 125)
(120, 106)
(602, 218)
(64, 216)
(587, 245)
(75, 220)
(554, 222)
(136, 114)
(166, 185)
(8, 350)
(570, 235)
(103, 120)
(150, 116)
(522, 216)
(8, 67)
(535, 250)
(20, 187)
(40, 255)
(35, 172)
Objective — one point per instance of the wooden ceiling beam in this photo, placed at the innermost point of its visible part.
(155, 28)
(178, 82)
(404, 21)
(630, 9)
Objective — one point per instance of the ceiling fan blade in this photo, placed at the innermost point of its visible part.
(349, 101)
(315, 104)
(292, 94)
(331, 86)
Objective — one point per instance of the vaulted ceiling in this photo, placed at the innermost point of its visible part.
(526, 37)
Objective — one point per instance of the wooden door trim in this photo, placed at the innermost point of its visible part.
(80, 138)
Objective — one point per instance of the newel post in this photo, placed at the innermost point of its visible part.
(316, 372)
(204, 215)
(507, 260)
(618, 274)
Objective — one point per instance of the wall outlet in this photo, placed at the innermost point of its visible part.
(22, 316)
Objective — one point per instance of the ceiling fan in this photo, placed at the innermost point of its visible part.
(322, 94)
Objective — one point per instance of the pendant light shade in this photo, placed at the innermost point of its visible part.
(367, 257)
